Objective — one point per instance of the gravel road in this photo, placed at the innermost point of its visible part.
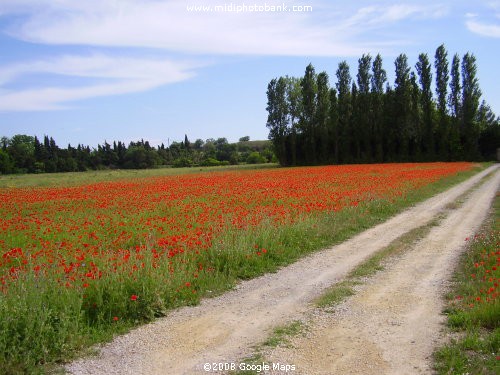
(403, 305)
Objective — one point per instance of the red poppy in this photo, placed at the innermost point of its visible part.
(133, 297)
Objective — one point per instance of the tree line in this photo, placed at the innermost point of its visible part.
(27, 154)
(365, 120)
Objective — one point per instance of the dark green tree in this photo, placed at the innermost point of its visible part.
(402, 132)
(471, 95)
(344, 112)
(307, 123)
(321, 117)
(294, 100)
(333, 126)
(277, 118)
(442, 78)
(426, 141)
(363, 126)
(455, 104)
(378, 80)
(22, 152)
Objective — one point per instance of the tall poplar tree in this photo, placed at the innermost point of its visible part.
(455, 104)
(471, 95)
(363, 126)
(378, 80)
(442, 77)
(344, 111)
(333, 125)
(402, 102)
(307, 121)
(277, 119)
(423, 67)
(294, 99)
(321, 116)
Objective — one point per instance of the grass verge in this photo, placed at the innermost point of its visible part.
(473, 306)
(91, 177)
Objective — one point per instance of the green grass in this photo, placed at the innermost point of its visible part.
(473, 314)
(42, 325)
(279, 337)
(375, 263)
(90, 177)
(335, 294)
(281, 334)
(338, 292)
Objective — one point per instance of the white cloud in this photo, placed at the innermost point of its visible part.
(482, 28)
(114, 75)
(169, 25)
(376, 17)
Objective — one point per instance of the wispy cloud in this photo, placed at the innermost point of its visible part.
(169, 25)
(114, 75)
(169, 28)
(487, 29)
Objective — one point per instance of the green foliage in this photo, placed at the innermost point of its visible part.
(26, 154)
(311, 123)
(256, 158)
(182, 163)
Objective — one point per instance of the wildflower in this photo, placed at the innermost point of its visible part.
(133, 297)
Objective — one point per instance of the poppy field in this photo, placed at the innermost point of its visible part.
(102, 257)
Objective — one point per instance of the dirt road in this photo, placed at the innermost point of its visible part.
(389, 327)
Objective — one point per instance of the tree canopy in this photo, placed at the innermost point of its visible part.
(361, 121)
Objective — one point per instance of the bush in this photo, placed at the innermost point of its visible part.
(210, 162)
(256, 158)
(182, 162)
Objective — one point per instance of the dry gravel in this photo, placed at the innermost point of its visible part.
(367, 338)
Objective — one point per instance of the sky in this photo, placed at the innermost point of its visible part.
(124, 70)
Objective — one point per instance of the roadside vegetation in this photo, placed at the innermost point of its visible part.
(474, 306)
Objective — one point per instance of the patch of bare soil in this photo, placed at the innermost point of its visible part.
(389, 327)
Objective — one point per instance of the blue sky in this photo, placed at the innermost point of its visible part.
(96, 70)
